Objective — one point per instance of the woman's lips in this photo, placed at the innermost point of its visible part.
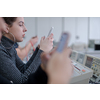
(23, 35)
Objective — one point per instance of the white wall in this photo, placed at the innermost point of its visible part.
(82, 29)
(70, 26)
(77, 26)
(94, 28)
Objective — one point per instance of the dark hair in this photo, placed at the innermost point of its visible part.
(10, 20)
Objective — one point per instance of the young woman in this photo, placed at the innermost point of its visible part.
(11, 66)
(57, 66)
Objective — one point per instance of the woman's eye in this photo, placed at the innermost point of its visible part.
(20, 25)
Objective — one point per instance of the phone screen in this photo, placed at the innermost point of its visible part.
(63, 42)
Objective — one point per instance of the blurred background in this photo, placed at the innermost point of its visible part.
(85, 31)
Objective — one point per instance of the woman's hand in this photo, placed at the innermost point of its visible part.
(46, 44)
(34, 40)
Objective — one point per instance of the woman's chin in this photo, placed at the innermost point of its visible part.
(20, 40)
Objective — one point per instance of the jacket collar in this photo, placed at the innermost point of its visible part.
(6, 42)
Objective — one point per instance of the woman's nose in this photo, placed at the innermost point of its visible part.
(25, 29)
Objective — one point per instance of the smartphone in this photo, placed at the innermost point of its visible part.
(50, 31)
(63, 42)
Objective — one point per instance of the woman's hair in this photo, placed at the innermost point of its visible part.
(10, 20)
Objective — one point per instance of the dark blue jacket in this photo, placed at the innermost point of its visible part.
(12, 67)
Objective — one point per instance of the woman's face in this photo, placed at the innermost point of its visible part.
(18, 29)
(2, 26)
